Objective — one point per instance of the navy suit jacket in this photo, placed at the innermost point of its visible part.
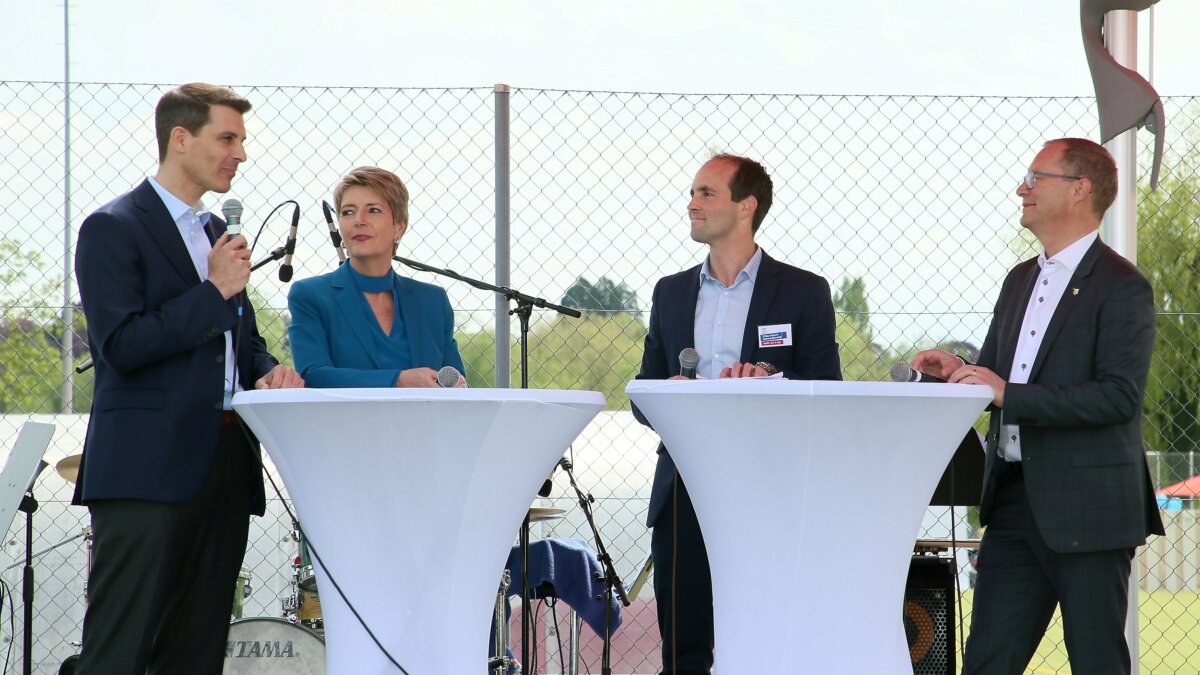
(1080, 413)
(329, 332)
(782, 295)
(156, 334)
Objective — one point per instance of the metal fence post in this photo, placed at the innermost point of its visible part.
(1119, 230)
(503, 262)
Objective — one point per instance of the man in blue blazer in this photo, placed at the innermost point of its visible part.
(168, 475)
(1067, 495)
(747, 315)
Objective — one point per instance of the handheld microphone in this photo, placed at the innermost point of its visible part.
(334, 235)
(448, 377)
(902, 372)
(688, 360)
(232, 210)
(285, 270)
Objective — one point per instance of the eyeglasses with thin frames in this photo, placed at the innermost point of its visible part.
(1030, 179)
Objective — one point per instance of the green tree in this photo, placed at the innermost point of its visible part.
(851, 301)
(604, 296)
(599, 352)
(1169, 256)
(30, 370)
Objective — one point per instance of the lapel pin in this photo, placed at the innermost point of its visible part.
(1074, 291)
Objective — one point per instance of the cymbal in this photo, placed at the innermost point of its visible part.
(68, 467)
(538, 514)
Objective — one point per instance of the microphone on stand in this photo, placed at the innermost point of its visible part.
(334, 235)
(285, 270)
(449, 377)
(688, 360)
(902, 372)
(232, 210)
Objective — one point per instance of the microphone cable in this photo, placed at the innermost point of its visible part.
(313, 550)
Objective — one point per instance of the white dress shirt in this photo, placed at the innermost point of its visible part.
(1051, 283)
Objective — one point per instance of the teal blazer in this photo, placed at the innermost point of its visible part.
(328, 333)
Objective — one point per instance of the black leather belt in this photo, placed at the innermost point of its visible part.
(1013, 471)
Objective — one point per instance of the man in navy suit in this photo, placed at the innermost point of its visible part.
(1067, 495)
(748, 316)
(168, 473)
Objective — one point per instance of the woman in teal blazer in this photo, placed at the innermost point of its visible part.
(363, 325)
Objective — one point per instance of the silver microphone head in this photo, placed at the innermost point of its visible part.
(448, 377)
(689, 358)
(901, 372)
(232, 211)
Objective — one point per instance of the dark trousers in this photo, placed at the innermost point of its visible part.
(1021, 581)
(160, 593)
(682, 587)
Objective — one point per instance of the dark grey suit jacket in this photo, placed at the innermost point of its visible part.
(782, 294)
(1080, 414)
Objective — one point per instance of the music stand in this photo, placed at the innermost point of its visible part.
(16, 484)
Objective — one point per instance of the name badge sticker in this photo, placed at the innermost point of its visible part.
(778, 335)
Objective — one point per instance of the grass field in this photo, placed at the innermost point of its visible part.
(1169, 628)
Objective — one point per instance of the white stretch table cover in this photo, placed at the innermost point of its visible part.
(810, 495)
(413, 498)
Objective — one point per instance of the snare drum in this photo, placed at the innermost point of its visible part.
(266, 646)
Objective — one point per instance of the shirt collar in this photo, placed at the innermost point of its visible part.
(1070, 256)
(177, 207)
(750, 271)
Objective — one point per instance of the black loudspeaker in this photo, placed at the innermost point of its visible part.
(929, 615)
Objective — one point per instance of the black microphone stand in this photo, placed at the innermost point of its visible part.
(523, 310)
(611, 580)
(28, 506)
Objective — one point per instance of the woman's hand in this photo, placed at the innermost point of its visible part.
(417, 377)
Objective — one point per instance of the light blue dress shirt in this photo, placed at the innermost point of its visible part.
(721, 317)
(192, 221)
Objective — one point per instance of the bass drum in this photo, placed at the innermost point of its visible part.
(266, 646)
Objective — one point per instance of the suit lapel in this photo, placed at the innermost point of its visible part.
(1069, 301)
(162, 230)
(1015, 317)
(410, 316)
(346, 297)
(765, 286)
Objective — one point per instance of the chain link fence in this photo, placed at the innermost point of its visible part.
(905, 203)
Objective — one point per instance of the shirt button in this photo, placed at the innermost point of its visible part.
(1041, 299)
(720, 323)
(1033, 332)
(716, 356)
(1014, 437)
(725, 293)
(1045, 281)
(1022, 366)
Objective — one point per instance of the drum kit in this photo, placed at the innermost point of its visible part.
(294, 642)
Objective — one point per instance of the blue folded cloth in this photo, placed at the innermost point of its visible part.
(569, 570)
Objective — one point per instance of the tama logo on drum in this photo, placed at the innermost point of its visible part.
(260, 649)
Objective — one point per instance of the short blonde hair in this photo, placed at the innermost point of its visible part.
(380, 181)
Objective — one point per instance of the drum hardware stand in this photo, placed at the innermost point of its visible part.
(524, 308)
(500, 663)
(609, 577)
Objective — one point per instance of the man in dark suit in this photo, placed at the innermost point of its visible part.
(168, 474)
(748, 316)
(1067, 495)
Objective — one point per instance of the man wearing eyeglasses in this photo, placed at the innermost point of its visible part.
(1067, 495)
